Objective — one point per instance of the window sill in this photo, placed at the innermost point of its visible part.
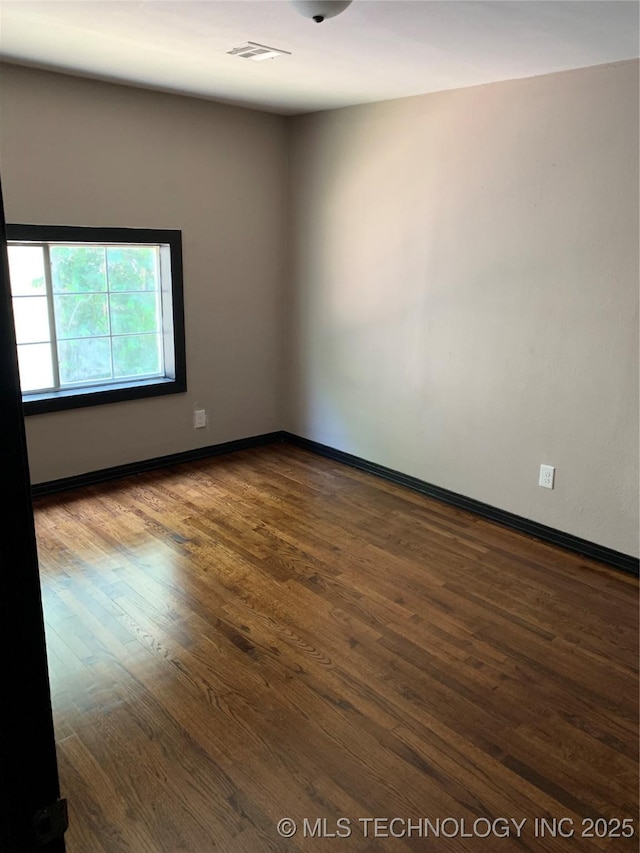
(98, 395)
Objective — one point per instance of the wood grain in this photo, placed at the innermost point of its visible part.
(271, 634)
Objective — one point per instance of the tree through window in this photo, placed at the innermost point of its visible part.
(96, 311)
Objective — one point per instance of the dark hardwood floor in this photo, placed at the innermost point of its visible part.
(273, 635)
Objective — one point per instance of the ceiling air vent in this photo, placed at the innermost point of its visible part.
(257, 52)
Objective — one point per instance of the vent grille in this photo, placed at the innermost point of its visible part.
(257, 52)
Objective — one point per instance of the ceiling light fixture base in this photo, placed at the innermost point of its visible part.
(319, 10)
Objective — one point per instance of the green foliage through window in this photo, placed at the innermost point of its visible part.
(98, 314)
(106, 316)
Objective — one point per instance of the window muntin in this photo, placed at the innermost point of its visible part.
(97, 312)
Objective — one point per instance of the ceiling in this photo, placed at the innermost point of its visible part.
(376, 49)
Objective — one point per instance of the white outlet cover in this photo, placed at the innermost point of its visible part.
(547, 476)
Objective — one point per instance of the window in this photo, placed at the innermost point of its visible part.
(98, 314)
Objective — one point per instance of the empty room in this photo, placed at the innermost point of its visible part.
(320, 378)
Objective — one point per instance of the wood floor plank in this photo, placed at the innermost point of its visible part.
(270, 635)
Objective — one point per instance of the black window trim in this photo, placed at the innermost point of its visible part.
(96, 395)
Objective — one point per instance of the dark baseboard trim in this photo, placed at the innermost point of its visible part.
(616, 559)
(93, 477)
(516, 522)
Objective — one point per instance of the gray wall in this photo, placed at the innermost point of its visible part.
(80, 152)
(459, 295)
(463, 297)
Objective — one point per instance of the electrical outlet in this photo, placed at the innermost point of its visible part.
(547, 476)
(199, 418)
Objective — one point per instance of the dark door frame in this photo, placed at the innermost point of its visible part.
(32, 816)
